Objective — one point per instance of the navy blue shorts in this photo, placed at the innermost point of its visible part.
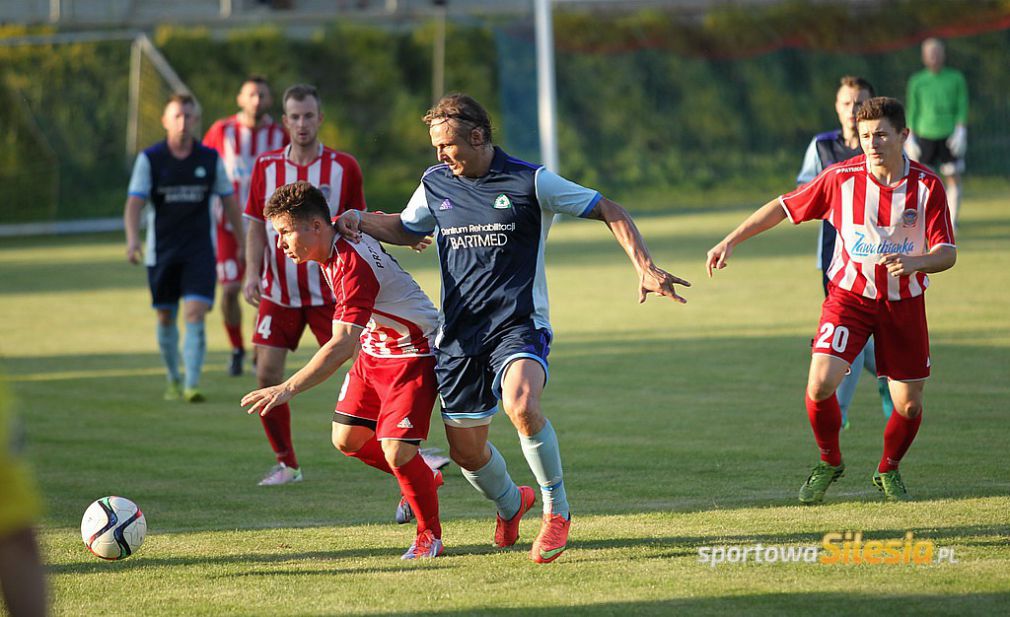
(188, 279)
(470, 386)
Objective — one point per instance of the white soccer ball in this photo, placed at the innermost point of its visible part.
(113, 528)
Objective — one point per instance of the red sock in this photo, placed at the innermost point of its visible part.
(277, 425)
(826, 420)
(234, 335)
(898, 437)
(371, 454)
(418, 485)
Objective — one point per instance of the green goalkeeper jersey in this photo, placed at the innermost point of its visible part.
(937, 102)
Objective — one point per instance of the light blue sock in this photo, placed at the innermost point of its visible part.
(193, 349)
(493, 482)
(168, 342)
(870, 363)
(847, 389)
(544, 458)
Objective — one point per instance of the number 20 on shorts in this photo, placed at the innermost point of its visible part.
(832, 337)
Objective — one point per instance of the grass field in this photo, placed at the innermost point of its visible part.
(681, 427)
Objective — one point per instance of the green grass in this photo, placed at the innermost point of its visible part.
(681, 427)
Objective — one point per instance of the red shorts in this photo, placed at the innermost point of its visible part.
(229, 268)
(898, 329)
(282, 326)
(395, 394)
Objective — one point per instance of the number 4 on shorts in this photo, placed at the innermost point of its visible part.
(263, 327)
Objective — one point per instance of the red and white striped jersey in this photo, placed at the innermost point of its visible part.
(374, 292)
(873, 220)
(338, 176)
(239, 146)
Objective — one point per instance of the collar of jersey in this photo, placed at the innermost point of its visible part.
(904, 175)
(287, 155)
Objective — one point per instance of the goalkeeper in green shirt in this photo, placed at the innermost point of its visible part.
(937, 105)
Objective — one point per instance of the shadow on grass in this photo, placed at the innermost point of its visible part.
(630, 549)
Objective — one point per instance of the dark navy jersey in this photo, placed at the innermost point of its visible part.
(825, 149)
(179, 216)
(490, 234)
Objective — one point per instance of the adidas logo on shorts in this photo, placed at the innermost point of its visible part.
(405, 423)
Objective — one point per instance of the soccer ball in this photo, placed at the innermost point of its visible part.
(113, 528)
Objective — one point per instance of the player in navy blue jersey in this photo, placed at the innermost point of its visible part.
(826, 149)
(178, 176)
(490, 214)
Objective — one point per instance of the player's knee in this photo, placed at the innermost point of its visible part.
(346, 443)
(470, 459)
(398, 453)
(819, 390)
(909, 409)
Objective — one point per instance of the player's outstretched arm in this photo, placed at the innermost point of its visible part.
(255, 245)
(383, 227)
(763, 219)
(339, 349)
(939, 259)
(131, 222)
(652, 278)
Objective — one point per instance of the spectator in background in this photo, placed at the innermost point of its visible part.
(937, 114)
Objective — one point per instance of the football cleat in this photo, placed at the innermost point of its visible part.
(433, 458)
(552, 539)
(891, 485)
(506, 532)
(821, 477)
(281, 474)
(192, 395)
(173, 391)
(425, 546)
(404, 513)
(235, 364)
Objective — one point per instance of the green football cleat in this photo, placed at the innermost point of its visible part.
(891, 485)
(173, 391)
(192, 395)
(821, 477)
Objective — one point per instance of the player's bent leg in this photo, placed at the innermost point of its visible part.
(485, 469)
(358, 441)
(194, 346)
(899, 434)
(420, 490)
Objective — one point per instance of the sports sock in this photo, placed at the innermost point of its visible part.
(418, 485)
(544, 457)
(847, 389)
(493, 482)
(826, 420)
(168, 342)
(193, 349)
(234, 335)
(371, 454)
(277, 425)
(898, 437)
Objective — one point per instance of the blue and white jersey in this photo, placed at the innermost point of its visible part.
(490, 234)
(179, 217)
(825, 150)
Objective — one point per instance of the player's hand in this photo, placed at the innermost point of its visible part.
(348, 225)
(718, 255)
(422, 244)
(134, 254)
(899, 265)
(263, 400)
(658, 281)
(251, 290)
(957, 143)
